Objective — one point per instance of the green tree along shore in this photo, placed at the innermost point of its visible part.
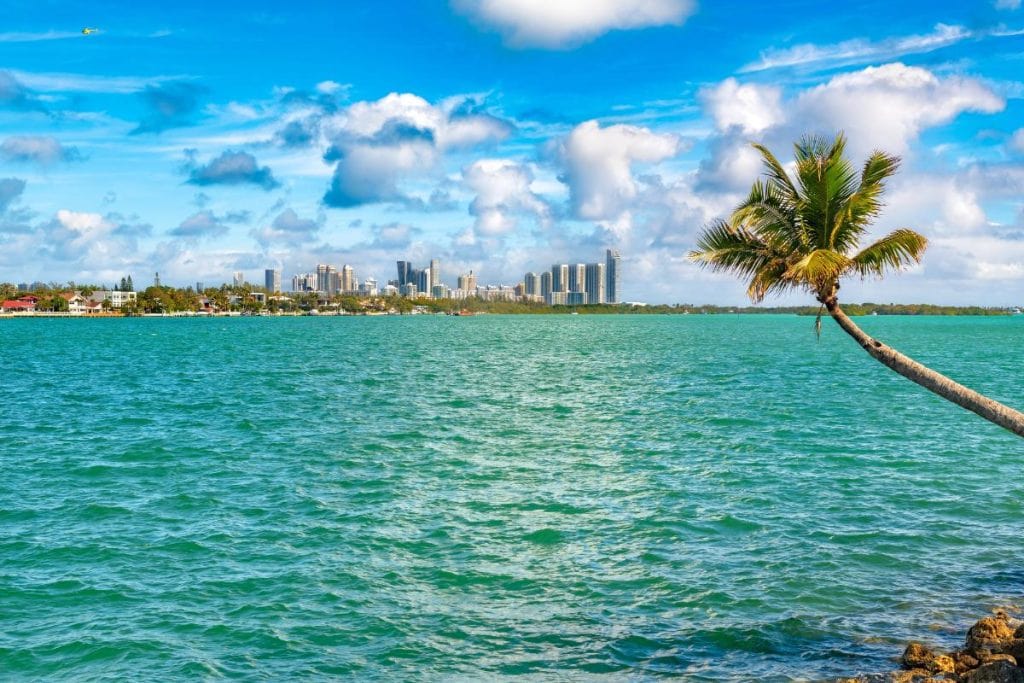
(166, 299)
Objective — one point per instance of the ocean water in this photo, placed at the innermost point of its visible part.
(554, 498)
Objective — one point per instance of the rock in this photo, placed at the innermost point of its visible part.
(989, 634)
(989, 659)
(995, 672)
(964, 661)
(916, 656)
(1019, 633)
(1015, 648)
(913, 676)
(942, 664)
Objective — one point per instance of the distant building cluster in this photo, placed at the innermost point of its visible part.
(576, 284)
(325, 280)
(565, 284)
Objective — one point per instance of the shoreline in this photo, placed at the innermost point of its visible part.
(993, 652)
(937, 312)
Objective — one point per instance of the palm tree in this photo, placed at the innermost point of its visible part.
(805, 234)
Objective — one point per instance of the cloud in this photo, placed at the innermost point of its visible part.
(567, 23)
(14, 94)
(1017, 141)
(393, 236)
(40, 149)
(10, 190)
(377, 144)
(503, 194)
(886, 107)
(88, 83)
(233, 168)
(88, 238)
(859, 50)
(331, 87)
(598, 165)
(169, 105)
(751, 108)
(29, 37)
(1007, 4)
(203, 224)
(287, 228)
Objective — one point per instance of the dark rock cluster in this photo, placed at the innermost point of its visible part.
(993, 653)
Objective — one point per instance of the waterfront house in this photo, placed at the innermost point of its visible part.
(116, 298)
(76, 302)
(18, 306)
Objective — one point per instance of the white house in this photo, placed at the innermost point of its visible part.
(116, 298)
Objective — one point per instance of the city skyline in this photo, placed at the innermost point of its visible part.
(493, 141)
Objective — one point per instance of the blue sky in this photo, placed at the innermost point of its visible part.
(497, 135)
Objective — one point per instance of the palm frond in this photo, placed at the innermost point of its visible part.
(769, 214)
(724, 247)
(865, 203)
(777, 175)
(818, 268)
(895, 251)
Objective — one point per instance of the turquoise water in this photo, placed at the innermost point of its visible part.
(564, 497)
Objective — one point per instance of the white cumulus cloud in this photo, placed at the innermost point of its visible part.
(503, 194)
(566, 23)
(749, 107)
(599, 165)
(377, 144)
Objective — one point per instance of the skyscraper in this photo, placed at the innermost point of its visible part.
(545, 285)
(467, 283)
(560, 277)
(423, 281)
(613, 276)
(239, 278)
(578, 277)
(272, 281)
(404, 273)
(531, 284)
(156, 279)
(323, 277)
(348, 279)
(595, 283)
(435, 273)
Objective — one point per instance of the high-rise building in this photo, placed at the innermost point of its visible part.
(348, 279)
(545, 284)
(404, 273)
(467, 283)
(423, 281)
(239, 278)
(613, 275)
(578, 277)
(531, 284)
(323, 277)
(272, 280)
(560, 277)
(156, 279)
(199, 287)
(595, 284)
(435, 273)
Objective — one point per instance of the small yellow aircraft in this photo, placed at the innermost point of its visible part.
(88, 31)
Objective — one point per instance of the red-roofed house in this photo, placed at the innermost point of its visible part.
(18, 306)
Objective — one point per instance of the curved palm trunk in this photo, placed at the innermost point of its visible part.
(993, 411)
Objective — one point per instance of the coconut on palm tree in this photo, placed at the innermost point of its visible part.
(804, 233)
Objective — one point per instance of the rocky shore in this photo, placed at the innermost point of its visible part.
(993, 652)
